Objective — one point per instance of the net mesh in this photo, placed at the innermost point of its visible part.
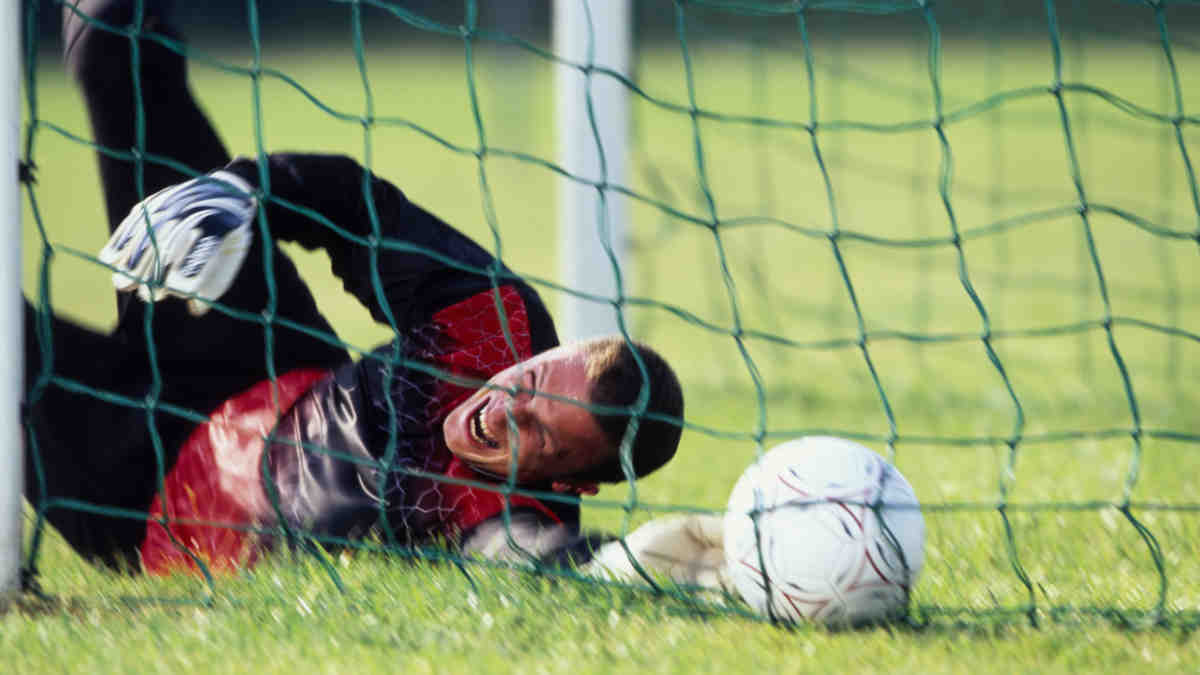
(958, 240)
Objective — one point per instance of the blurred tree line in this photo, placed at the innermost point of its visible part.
(327, 20)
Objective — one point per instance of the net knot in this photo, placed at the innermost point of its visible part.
(29, 581)
(25, 172)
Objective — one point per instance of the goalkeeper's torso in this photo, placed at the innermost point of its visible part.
(351, 452)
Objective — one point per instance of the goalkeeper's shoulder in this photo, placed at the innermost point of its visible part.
(526, 534)
(687, 549)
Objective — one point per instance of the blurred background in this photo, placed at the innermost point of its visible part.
(859, 199)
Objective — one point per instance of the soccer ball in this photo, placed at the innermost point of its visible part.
(805, 536)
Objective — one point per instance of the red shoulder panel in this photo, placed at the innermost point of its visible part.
(472, 340)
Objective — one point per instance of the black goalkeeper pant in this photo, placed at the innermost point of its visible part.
(102, 453)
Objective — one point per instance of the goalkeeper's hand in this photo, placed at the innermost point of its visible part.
(685, 549)
(202, 232)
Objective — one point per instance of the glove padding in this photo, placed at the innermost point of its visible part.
(684, 549)
(202, 231)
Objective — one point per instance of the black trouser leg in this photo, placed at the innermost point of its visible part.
(86, 449)
(175, 127)
(100, 452)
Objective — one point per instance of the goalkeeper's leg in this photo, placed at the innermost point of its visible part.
(229, 351)
(84, 450)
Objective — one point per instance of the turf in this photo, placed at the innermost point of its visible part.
(950, 411)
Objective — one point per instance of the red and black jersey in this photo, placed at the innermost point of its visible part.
(335, 455)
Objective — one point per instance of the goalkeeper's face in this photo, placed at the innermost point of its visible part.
(532, 416)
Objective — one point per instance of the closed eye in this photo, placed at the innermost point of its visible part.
(543, 439)
(531, 383)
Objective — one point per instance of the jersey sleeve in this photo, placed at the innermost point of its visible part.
(368, 227)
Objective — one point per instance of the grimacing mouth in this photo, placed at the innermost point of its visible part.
(481, 432)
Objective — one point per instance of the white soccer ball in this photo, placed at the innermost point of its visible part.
(820, 551)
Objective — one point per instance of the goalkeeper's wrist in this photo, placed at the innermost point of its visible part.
(234, 179)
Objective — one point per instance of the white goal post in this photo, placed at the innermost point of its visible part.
(596, 32)
(10, 304)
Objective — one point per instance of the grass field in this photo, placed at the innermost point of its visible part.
(948, 410)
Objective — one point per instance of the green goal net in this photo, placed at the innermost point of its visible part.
(962, 234)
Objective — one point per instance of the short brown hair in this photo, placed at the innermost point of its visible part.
(616, 383)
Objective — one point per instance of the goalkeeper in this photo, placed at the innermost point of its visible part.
(474, 388)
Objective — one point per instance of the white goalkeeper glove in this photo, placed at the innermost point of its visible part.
(202, 231)
(684, 549)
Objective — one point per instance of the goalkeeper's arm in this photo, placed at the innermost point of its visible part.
(190, 240)
(686, 550)
(423, 263)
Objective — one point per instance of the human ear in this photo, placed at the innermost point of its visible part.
(578, 488)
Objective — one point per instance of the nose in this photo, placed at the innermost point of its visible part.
(519, 407)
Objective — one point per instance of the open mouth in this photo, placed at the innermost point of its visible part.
(480, 431)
